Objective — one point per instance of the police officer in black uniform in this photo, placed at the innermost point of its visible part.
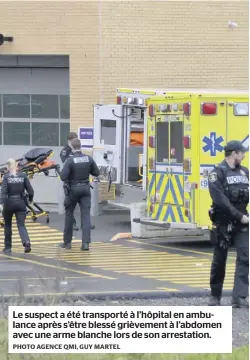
(228, 185)
(13, 203)
(76, 172)
(64, 154)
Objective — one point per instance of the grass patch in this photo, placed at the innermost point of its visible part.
(238, 354)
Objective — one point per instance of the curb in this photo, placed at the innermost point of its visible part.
(115, 296)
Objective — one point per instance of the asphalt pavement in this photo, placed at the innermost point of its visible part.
(124, 267)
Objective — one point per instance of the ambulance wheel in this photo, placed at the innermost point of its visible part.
(47, 220)
(2, 224)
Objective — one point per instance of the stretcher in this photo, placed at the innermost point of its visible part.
(35, 161)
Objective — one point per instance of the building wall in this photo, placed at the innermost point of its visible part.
(133, 44)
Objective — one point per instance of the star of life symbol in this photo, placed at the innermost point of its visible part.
(213, 143)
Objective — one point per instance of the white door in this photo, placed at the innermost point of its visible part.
(107, 151)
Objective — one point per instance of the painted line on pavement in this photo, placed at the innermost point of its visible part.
(174, 248)
(61, 268)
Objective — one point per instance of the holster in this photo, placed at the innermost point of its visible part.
(66, 188)
(221, 235)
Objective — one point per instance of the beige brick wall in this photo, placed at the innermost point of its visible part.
(176, 44)
(141, 44)
(70, 28)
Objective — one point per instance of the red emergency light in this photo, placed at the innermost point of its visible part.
(151, 110)
(208, 109)
(187, 142)
(151, 142)
(118, 100)
(187, 109)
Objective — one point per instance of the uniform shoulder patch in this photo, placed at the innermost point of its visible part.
(212, 177)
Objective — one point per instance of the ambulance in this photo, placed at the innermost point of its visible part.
(183, 133)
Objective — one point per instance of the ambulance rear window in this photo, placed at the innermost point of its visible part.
(108, 132)
(241, 109)
(162, 142)
(176, 142)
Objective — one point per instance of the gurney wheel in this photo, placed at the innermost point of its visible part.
(47, 220)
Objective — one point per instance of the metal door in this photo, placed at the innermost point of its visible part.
(107, 151)
(176, 157)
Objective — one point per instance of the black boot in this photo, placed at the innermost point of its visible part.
(27, 248)
(240, 303)
(214, 301)
(85, 247)
(7, 250)
(65, 246)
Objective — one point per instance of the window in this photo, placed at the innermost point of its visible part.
(1, 133)
(64, 131)
(162, 142)
(241, 109)
(64, 107)
(45, 106)
(16, 106)
(45, 134)
(0, 105)
(176, 142)
(16, 133)
(108, 132)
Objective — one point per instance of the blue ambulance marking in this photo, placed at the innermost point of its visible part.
(180, 187)
(176, 201)
(213, 143)
(151, 184)
(170, 213)
(245, 142)
(162, 200)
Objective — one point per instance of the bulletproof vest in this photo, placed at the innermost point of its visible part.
(235, 185)
(15, 185)
(81, 166)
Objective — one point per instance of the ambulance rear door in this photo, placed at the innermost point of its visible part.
(166, 154)
(107, 150)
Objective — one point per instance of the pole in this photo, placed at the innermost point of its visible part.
(95, 199)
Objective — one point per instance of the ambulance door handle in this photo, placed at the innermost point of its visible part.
(171, 171)
(167, 172)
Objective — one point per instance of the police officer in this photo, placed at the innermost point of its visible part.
(229, 189)
(13, 203)
(76, 172)
(64, 154)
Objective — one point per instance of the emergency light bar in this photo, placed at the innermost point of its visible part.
(241, 109)
(132, 101)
